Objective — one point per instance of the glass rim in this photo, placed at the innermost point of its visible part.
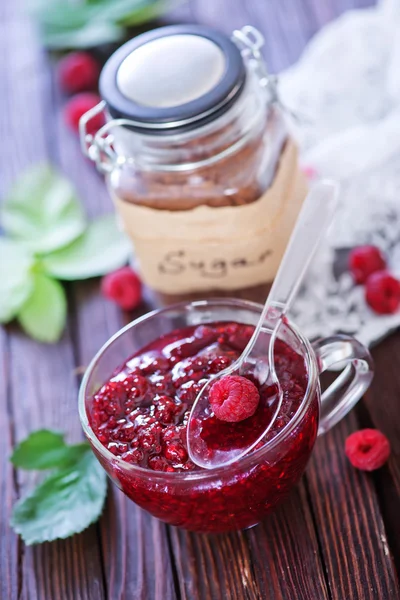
(252, 457)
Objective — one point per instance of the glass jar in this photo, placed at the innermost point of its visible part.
(241, 494)
(198, 159)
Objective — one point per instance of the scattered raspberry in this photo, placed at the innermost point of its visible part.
(78, 106)
(365, 260)
(234, 398)
(367, 449)
(78, 72)
(123, 287)
(382, 293)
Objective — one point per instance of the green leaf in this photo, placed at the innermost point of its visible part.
(119, 10)
(44, 313)
(45, 449)
(67, 502)
(43, 211)
(60, 14)
(66, 24)
(147, 13)
(16, 280)
(88, 35)
(101, 249)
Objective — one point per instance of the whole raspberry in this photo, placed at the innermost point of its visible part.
(382, 293)
(123, 287)
(367, 449)
(234, 398)
(77, 106)
(78, 72)
(365, 260)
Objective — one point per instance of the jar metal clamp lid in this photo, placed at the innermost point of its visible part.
(148, 88)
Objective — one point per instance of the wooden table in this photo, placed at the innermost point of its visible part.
(336, 538)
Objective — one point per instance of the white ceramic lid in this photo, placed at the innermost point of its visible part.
(173, 78)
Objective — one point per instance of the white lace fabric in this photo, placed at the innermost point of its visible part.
(348, 83)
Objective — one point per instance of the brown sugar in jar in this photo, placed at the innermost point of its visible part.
(199, 163)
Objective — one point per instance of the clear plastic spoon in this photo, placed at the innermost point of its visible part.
(211, 452)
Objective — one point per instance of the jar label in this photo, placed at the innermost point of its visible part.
(226, 248)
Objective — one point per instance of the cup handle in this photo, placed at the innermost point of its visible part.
(342, 352)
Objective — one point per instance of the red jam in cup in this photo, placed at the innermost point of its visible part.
(140, 415)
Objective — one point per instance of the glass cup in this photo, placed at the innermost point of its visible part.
(240, 495)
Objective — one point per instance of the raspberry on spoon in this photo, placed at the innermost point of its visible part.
(234, 398)
(365, 260)
(78, 72)
(367, 449)
(123, 287)
(382, 293)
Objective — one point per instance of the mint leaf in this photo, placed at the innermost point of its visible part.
(66, 24)
(44, 313)
(93, 33)
(45, 449)
(101, 249)
(43, 211)
(126, 11)
(67, 502)
(148, 13)
(16, 280)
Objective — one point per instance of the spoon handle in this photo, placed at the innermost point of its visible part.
(312, 223)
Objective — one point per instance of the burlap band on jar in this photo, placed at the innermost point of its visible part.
(226, 248)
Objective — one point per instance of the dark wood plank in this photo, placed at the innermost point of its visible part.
(291, 567)
(277, 559)
(223, 15)
(350, 528)
(43, 394)
(135, 549)
(382, 411)
(42, 386)
(287, 26)
(124, 527)
(353, 537)
(334, 516)
(9, 580)
(134, 546)
(214, 566)
(264, 568)
(136, 552)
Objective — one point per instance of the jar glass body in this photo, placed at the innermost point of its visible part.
(210, 210)
(230, 161)
(209, 200)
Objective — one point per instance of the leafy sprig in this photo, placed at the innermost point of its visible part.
(88, 23)
(48, 239)
(69, 499)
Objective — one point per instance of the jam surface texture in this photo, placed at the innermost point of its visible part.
(141, 415)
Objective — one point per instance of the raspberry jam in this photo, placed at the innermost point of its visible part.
(141, 415)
